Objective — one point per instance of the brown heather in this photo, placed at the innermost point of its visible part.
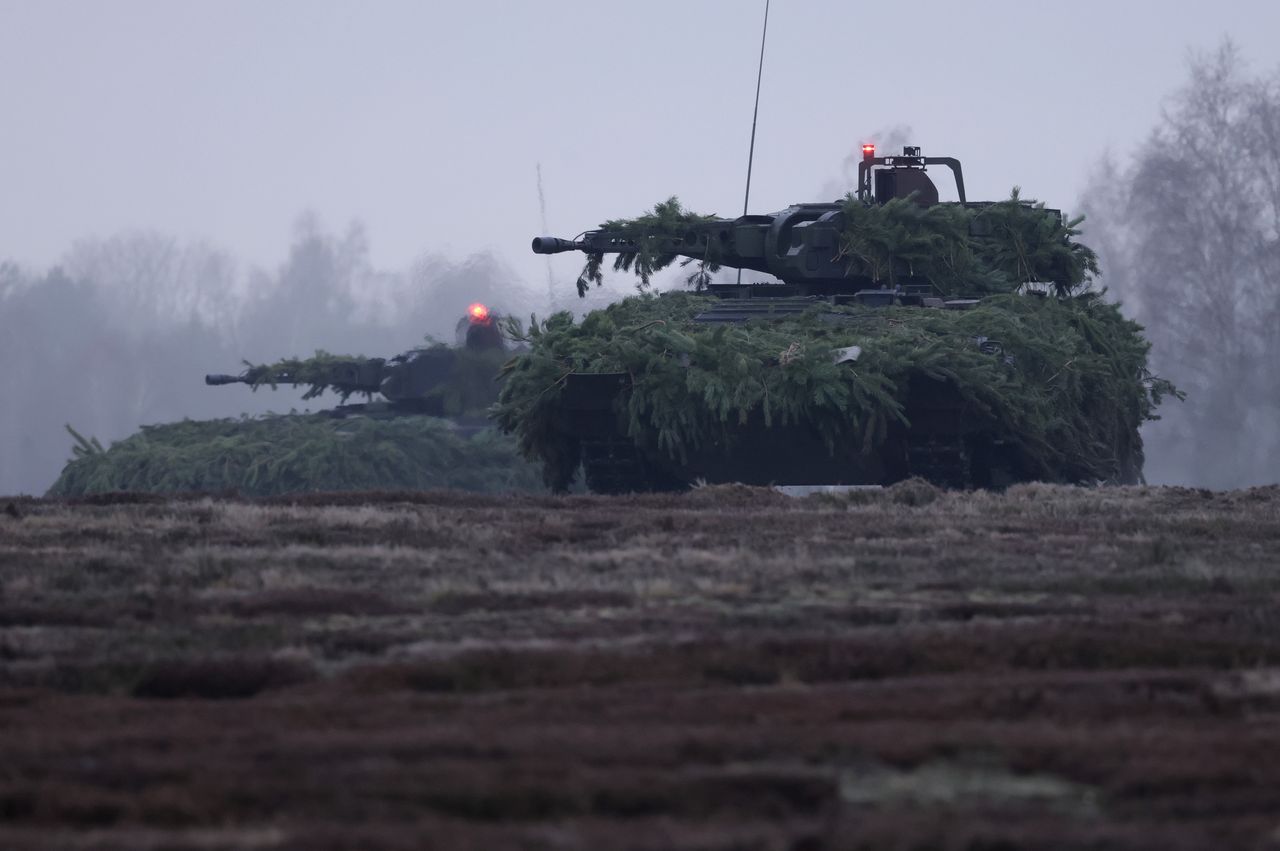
(1049, 667)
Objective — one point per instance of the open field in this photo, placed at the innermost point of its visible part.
(1045, 668)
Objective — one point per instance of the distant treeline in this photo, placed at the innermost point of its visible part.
(122, 331)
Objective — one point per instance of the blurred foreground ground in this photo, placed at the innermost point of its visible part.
(1045, 668)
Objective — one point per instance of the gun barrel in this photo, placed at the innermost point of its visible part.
(555, 245)
(215, 379)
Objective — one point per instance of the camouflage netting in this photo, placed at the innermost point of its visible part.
(1070, 387)
(285, 454)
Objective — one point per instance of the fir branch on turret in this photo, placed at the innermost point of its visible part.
(320, 373)
(1026, 244)
(667, 219)
(84, 447)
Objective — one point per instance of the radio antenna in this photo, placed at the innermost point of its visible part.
(751, 151)
(542, 207)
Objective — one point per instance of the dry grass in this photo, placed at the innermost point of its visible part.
(1047, 667)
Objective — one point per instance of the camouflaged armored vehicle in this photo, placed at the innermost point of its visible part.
(457, 382)
(885, 335)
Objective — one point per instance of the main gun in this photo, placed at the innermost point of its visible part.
(217, 379)
(799, 245)
(738, 243)
(343, 375)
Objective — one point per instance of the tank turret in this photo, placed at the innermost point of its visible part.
(801, 246)
(436, 380)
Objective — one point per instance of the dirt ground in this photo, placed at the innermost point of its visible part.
(729, 668)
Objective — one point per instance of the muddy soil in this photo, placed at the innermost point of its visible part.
(725, 669)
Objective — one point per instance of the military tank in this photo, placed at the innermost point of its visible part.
(424, 426)
(897, 336)
(455, 382)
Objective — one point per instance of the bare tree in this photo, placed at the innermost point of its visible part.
(1188, 235)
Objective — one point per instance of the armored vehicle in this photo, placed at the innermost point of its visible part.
(899, 336)
(439, 380)
(425, 426)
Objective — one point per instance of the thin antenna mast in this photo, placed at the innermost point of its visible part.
(542, 206)
(751, 152)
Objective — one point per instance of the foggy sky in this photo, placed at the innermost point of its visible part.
(224, 120)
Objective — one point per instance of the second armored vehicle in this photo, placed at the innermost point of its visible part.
(458, 382)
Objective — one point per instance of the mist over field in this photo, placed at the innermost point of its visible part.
(122, 331)
(156, 160)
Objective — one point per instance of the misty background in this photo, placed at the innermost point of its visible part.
(186, 185)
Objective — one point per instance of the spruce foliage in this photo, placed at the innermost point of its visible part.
(467, 389)
(319, 373)
(667, 219)
(960, 250)
(1071, 386)
(83, 447)
(285, 454)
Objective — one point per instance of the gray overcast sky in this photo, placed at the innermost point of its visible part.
(224, 120)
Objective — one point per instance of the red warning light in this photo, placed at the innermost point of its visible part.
(868, 151)
(478, 312)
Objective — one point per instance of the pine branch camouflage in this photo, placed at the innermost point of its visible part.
(283, 454)
(960, 250)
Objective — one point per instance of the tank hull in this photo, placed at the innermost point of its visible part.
(947, 443)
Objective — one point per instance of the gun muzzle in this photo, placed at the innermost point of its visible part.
(216, 380)
(553, 245)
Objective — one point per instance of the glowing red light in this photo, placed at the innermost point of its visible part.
(868, 150)
(478, 312)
